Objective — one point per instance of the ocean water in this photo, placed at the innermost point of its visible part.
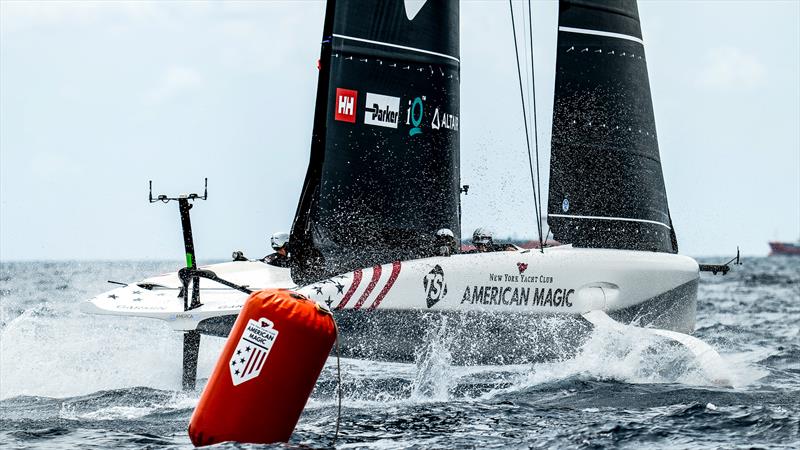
(71, 380)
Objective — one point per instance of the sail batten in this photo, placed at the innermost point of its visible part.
(620, 219)
(394, 46)
(601, 33)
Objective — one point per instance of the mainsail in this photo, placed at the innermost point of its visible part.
(383, 175)
(606, 184)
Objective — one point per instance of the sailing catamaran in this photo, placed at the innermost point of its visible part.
(383, 177)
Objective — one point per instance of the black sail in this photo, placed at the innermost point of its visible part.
(383, 175)
(606, 183)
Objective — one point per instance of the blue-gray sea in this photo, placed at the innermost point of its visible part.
(70, 380)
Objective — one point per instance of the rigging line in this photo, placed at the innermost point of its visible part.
(526, 30)
(535, 128)
(525, 119)
(528, 63)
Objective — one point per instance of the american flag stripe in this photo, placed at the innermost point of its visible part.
(389, 284)
(376, 275)
(261, 361)
(352, 290)
(249, 360)
(255, 360)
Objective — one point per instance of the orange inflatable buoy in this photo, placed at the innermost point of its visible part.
(266, 372)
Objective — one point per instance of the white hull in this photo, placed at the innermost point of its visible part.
(161, 300)
(563, 280)
(383, 310)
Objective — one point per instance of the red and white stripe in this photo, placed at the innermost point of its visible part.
(370, 286)
(255, 361)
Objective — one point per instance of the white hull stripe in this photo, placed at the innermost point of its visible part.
(600, 33)
(623, 219)
(403, 47)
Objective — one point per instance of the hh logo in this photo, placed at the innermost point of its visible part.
(251, 353)
(434, 285)
(522, 267)
(346, 100)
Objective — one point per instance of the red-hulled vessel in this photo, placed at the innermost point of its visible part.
(784, 248)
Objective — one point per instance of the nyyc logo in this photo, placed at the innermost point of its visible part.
(522, 267)
(252, 350)
(435, 287)
(346, 100)
(382, 110)
(414, 115)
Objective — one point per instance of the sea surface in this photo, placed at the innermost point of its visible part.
(70, 380)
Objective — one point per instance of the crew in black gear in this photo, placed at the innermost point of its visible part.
(280, 243)
(445, 242)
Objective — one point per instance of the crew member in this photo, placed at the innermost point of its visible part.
(482, 240)
(445, 242)
(280, 243)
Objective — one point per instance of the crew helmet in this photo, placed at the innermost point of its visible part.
(445, 233)
(279, 240)
(482, 236)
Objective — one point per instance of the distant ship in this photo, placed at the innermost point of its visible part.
(784, 248)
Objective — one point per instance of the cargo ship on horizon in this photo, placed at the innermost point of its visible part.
(784, 248)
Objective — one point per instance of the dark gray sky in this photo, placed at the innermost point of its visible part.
(98, 98)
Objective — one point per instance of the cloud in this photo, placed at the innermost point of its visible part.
(177, 80)
(731, 68)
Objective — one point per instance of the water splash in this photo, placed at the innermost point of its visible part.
(54, 351)
(635, 357)
(434, 377)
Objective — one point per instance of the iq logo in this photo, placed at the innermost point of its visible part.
(414, 115)
(345, 105)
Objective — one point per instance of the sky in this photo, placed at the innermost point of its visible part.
(97, 98)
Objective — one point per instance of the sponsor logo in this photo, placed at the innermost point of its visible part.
(252, 350)
(522, 267)
(509, 278)
(140, 308)
(412, 7)
(435, 287)
(414, 114)
(346, 100)
(382, 110)
(230, 306)
(519, 296)
(444, 120)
